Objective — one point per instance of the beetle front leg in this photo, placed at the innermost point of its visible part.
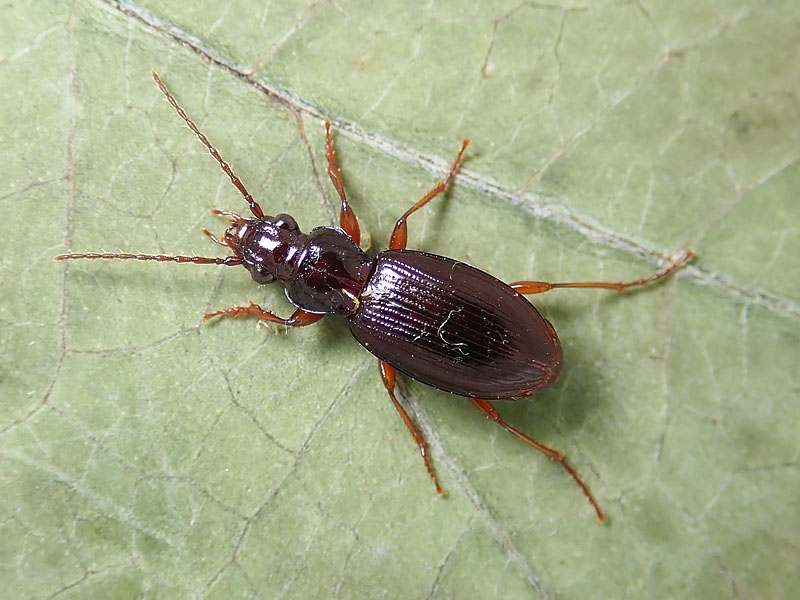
(347, 218)
(299, 318)
(538, 287)
(490, 412)
(389, 376)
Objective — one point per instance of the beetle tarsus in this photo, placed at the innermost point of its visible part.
(389, 376)
(490, 412)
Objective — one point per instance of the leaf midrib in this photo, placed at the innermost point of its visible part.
(531, 202)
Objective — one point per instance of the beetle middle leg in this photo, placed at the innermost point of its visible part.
(399, 237)
(299, 318)
(490, 412)
(389, 376)
(347, 218)
(538, 287)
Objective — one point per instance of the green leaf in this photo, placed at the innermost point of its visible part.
(144, 452)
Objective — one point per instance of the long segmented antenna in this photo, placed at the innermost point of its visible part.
(228, 261)
(254, 207)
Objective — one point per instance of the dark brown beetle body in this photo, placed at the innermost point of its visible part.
(438, 320)
(433, 318)
(454, 327)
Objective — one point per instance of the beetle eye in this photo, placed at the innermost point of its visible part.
(286, 222)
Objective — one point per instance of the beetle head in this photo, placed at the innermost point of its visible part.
(268, 246)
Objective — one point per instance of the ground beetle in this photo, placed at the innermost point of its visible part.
(437, 320)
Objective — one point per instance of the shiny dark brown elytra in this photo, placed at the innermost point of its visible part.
(435, 319)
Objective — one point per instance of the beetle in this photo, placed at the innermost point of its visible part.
(438, 320)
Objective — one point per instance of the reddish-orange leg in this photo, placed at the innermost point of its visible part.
(537, 287)
(347, 218)
(399, 237)
(349, 223)
(299, 318)
(490, 412)
(389, 376)
(398, 241)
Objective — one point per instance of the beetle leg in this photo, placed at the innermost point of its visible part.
(347, 218)
(399, 237)
(389, 375)
(537, 287)
(299, 318)
(490, 412)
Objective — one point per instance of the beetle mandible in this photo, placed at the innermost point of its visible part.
(439, 321)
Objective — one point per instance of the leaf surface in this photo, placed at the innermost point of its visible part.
(147, 453)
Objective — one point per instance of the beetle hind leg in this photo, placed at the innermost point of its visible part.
(538, 287)
(389, 375)
(490, 412)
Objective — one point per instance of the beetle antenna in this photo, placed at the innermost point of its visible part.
(228, 261)
(254, 207)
